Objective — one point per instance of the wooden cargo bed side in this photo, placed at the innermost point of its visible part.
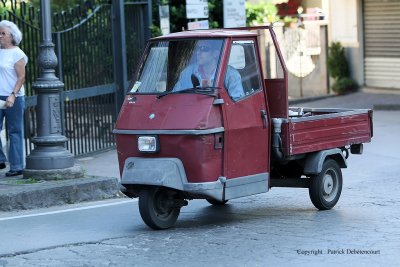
(325, 131)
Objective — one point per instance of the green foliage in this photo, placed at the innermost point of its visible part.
(2, 10)
(289, 20)
(178, 20)
(60, 5)
(339, 70)
(344, 85)
(155, 30)
(337, 62)
(260, 13)
(215, 8)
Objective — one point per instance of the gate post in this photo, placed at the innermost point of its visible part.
(49, 156)
(119, 51)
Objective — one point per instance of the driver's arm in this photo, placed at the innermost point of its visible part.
(233, 83)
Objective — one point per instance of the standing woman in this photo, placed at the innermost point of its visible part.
(12, 78)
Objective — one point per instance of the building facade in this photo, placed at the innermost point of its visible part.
(370, 32)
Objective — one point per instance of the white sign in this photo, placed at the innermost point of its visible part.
(164, 19)
(234, 13)
(197, 25)
(196, 9)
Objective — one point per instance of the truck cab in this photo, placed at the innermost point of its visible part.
(200, 121)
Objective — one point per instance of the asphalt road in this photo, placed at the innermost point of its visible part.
(278, 228)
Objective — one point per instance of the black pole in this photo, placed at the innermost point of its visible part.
(49, 152)
(148, 20)
(119, 51)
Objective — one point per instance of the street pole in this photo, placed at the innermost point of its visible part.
(49, 153)
(119, 47)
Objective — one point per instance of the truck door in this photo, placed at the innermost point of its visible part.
(246, 148)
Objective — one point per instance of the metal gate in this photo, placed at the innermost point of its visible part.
(83, 39)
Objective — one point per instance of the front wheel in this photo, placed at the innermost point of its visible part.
(326, 187)
(157, 207)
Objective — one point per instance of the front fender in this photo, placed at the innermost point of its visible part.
(168, 172)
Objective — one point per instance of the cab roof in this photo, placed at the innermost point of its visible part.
(212, 33)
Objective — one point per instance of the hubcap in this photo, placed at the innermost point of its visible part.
(161, 204)
(330, 185)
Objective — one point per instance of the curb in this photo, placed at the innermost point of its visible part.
(45, 194)
(387, 107)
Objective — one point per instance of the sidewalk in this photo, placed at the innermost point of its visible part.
(100, 182)
(364, 99)
(101, 179)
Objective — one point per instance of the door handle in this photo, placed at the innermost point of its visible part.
(264, 117)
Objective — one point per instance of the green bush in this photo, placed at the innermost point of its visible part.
(260, 13)
(337, 62)
(339, 70)
(344, 85)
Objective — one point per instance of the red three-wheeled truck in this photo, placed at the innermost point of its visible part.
(202, 121)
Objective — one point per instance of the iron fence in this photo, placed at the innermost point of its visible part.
(84, 48)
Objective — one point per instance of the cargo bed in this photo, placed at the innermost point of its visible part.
(309, 130)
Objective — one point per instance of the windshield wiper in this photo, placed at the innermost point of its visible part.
(209, 90)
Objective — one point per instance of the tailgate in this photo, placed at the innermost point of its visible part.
(320, 129)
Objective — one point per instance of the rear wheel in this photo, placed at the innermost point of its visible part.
(158, 207)
(216, 202)
(326, 187)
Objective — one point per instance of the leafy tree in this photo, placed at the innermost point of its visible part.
(216, 18)
(60, 5)
(178, 20)
(261, 13)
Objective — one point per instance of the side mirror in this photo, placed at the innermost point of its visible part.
(195, 81)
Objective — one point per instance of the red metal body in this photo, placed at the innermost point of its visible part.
(203, 163)
(202, 122)
(243, 147)
(240, 155)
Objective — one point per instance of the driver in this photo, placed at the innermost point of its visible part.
(207, 53)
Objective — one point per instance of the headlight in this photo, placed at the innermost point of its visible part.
(148, 144)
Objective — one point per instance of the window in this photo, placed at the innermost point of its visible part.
(242, 76)
(169, 65)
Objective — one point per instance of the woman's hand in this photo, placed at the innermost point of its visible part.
(10, 101)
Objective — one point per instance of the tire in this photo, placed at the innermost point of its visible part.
(216, 202)
(326, 187)
(157, 209)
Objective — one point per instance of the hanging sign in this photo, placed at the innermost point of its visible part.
(197, 25)
(164, 19)
(196, 9)
(234, 13)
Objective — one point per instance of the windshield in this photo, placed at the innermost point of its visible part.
(172, 66)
